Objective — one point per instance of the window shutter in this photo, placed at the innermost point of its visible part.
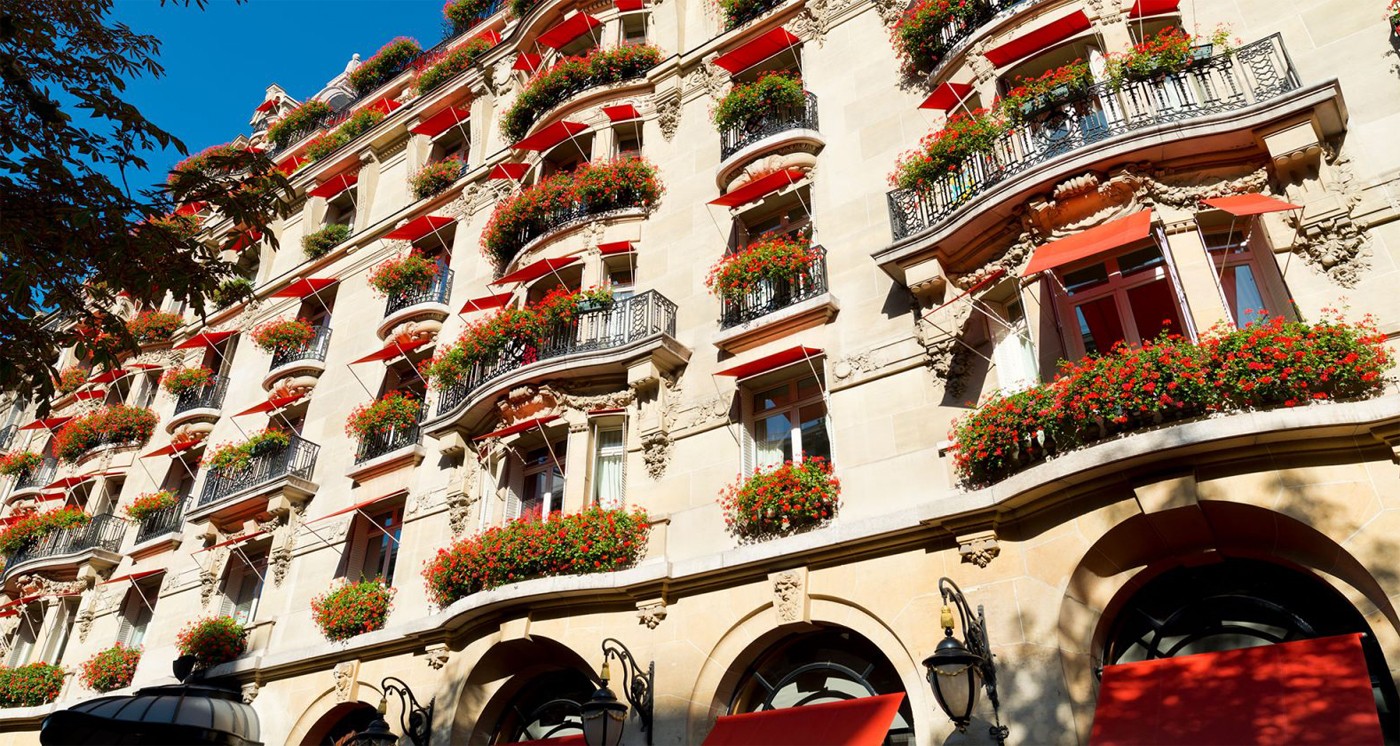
(513, 505)
(746, 449)
(128, 613)
(355, 549)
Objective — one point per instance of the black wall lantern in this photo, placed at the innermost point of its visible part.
(415, 719)
(604, 717)
(958, 669)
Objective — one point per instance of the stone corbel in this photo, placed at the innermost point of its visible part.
(651, 613)
(926, 280)
(979, 548)
(436, 656)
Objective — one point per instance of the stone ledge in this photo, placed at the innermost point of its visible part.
(796, 317)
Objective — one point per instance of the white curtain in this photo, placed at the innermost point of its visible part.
(607, 469)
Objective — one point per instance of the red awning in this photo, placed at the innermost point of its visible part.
(244, 240)
(234, 540)
(537, 270)
(574, 739)
(526, 62)
(391, 350)
(492, 37)
(74, 481)
(568, 29)
(1241, 205)
(266, 105)
(420, 227)
(550, 136)
(276, 402)
(947, 96)
(358, 505)
(1092, 242)
(89, 394)
(189, 208)
(627, 6)
(518, 427)
(49, 496)
(290, 165)
(174, 448)
(204, 339)
(487, 302)
(852, 722)
(1306, 692)
(302, 287)
(109, 376)
(622, 113)
(512, 171)
(772, 362)
(46, 424)
(335, 185)
(135, 576)
(383, 106)
(1040, 38)
(441, 122)
(759, 188)
(758, 50)
(615, 247)
(1145, 8)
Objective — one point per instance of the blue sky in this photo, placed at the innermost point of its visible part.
(219, 61)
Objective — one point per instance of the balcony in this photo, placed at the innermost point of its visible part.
(775, 308)
(782, 119)
(644, 324)
(99, 539)
(309, 359)
(201, 404)
(375, 446)
(34, 480)
(745, 13)
(431, 301)
(959, 30)
(236, 493)
(162, 522)
(1092, 119)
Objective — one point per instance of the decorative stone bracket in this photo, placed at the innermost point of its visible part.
(979, 548)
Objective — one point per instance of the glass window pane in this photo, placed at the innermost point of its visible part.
(1154, 309)
(1136, 261)
(1082, 279)
(772, 398)
(808, 387)
(815, 441)
(1099, 327)
(607, 467)
(773, 441)
(1242, 293)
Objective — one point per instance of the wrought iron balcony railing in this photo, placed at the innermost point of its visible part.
(161, 522)
(745, 13)
(618, 324)
(1251, 74)
(296, 459)
(39, 476)
(102, 532)
(736, 137)
(379, 444)
(775, 295)
(437, 292)
(208, 396)
(960, 29)
(313, 350)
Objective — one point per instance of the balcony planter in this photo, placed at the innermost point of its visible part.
(391, 59)
(737, 12)
(115, 425)
(789, 499)
(941, 153)
(30, 686)
(403, 275)
(925, 32)
(35, 526)
(149, 504)
(592, 541)
(299, 122)
(19, 462)
(231, 291)
(747, 104)
(177, 381)
(232, 456)
(765, 260)
(464, 14)
(110, 669)
(350, 609)
(283, 336)
(154, 327)
(434, 178)
(1169, 52)
(213, 160)
(71, 379)
(451, 64)
(212, 641)
(571, 76)
(317, 244)
(1029, 96)
(383, 427)
(357, 124)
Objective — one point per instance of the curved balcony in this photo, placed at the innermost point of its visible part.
(33, 481)
(431, 301)
(97, 541)
(203, 403)
(958, 30)
(749, 13)
(310, 359)
(1253, 74)
(783, 119)
(774, 308)
(240, 492)
(161, 522)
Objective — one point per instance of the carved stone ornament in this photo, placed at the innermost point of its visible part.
(790, 595)
(656, 454)
(1337, 247)
(888, 10)
(811, 22)
(940, 334)
(344, 675)
(651, 613)
(708, 78)
(842, 369)
(209, 577)
(437, 657)
(668, 113)
(979, 549)
(250, 692)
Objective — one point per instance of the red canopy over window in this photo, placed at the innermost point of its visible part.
(89, 394)
(276, 402)
(1095, 241)
(615, 247)
(335, 185)
(537, 270)
(947, 96)
(512, 171)
(622, 112)
(392, 350)
(629, 5)
(1035, 40)
(303, 287)
(383, 106)
(46, 424)
(1144, 8)
(204, 339)
(759, 188)
(772, 362)
(550, 136)
(526, 62)
(174, 448)
(189, 208)
(69, 482)
(852, 722)
(266, 105)
(244, 240)
(758, 50)
(487, 302)
(357, 506)
(1241, 205)
(568, 29)
(290, 165)
(235, 540)
(135, 576)
(518, 427)
(109, 376)
(441, 122)
(420, 227)
(1306, 692)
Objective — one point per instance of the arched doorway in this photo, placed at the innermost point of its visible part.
(340, 724)
(545, 707)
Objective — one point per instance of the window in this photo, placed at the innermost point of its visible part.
(452, 143)
(26, 633)
(627, 140)
(633, 29)
(56, 645)
(149, 385)
(219, 357)
(1129, 298)
(609, 457)
(374, 545)
(340, 209)
(117, 391)
(789, 423)
(1248, 278)
(1012, 351)
(621, 276)
(543, 487)
(243, 583)
(782, 215)
(581, 44)
(568, 155)
(137, 610)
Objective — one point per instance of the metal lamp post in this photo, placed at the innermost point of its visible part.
(604, 717)
(416, 720)
(959, 669)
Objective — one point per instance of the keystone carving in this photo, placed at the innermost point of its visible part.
(344, 675)
(651, 613)
(437, 657)
(250, 692)
(790, 595)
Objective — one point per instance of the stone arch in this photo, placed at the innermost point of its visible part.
(1133, 552)
(758, 630)
(319, 712)
(500, 674)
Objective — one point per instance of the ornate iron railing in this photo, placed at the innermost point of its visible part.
(208, 396)
(374, 446)
(161, 522)
(38, 476)
(775, 295)
(617, 324)
(744, 14)
(548, 221)
(736, 137)
(313, 350)
(296, 459)
(102, 532)
(436, 292)
(1253, 73)
(959, 29)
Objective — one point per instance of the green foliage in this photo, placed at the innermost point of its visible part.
(233, 456)
(451, 64)
(30, 686)
(299, 122)
(788, 499)
(390, 60)
(747, 104)
(358, 123)
(231, 291)
(350, 609)
(213, 640)
(315, 245)
(572, 75)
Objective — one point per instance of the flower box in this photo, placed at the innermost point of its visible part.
(154, 327)
(149, 504)
(410, 273)
(920, 31)
(464, 14)
(573, 75)
(943, 152)
(231, 291)
(19, 462)
(350, 609)
(451, 64)
(764, 260)
(213, 160)
(435, 178)
(30, 686)
(110, 669)
(396, 410)
(213, 640)
(357, 124)
(177, 381)
(315, 245)
(747, 105)
(71, 379)
(282, 336)
(301, 121)
(776, 502)
(391, 59)
(232, 456)
(35, 526)
(117, 424)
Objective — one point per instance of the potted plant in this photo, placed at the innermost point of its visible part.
(302, 120)
(1029, 96)
(450, 64)
(177, 381)
(463, 14)
(397, 276)
(118, 424)
(233, 456)
(390, 60)
(350, 609)
(71, 379)
(232, 290)
(19, 462)
(316, 244)
(154, 327)
(149, 504)
(765, 260)
(35, 525)
(357, 124)
(570, 75)
(435, 177)
(747, 105)
(396, 410)
(213, 640)
(919, 32)
(282, 336)
(32, 685)
(110, 669)
(940, 153)
(788, 499)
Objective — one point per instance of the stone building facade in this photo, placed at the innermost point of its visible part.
(919, 308)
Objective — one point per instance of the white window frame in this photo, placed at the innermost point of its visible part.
(753, 417)
(1225, 255)
(601, 425)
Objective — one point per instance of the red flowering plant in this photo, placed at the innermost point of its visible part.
(19, 462)
(1056, 85)
(118, 424)
(943, 152)
(591, 541)
(355, 125)
(435, 177)
(737, 12)
(396, 410)
(391, 59)
(922, 33)
(596, 187)
(791, 498)
(410, 273)
(350, 609)
(237, 455)
(1276, 362)
(71, 379)
(571, 75)
(1392, 11)
(32, 685)
(770, 258)
(213, 640)
(149, 504)
(1167, 52)
(746, 105)
(35, 526)
(317, 243)
(177, 381)
(152, 327)
(448, 65)
(213, 160)
(299, 122)
(111, 668)
(283, 335)
(463, 14)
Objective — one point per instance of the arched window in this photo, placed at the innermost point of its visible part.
(546, 707)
